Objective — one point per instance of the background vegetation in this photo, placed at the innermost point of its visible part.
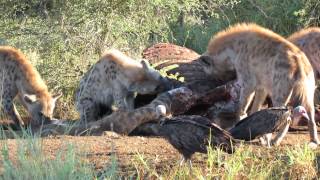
(63, 38)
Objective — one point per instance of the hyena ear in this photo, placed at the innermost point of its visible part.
(30, 98)
(145, 64)
(205, 59)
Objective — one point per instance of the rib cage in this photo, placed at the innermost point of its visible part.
(163, 55)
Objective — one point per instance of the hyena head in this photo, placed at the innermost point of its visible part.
(221, 68)
(40, 108)
(151, 82)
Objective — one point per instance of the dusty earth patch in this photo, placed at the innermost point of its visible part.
(98, 150)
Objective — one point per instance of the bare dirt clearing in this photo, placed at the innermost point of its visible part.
(99, 150)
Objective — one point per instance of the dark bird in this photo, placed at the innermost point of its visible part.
(190, 134)
(266, 121)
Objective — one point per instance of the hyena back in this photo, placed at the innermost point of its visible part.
(18, 78)
(308, 40)
(113, 80)
(266, 64)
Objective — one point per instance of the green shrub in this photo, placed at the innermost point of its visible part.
(64, 38)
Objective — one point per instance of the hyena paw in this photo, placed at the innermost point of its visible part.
(263, 142)
(275, 143)
(243, 115)
(313, 145)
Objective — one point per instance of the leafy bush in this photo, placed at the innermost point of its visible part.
(63, 38)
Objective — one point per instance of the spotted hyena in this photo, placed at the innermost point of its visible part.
(308, 40)
(266, 64)
(18, 78)
(113, 80)
(125, 121)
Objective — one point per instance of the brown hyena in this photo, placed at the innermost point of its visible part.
(19, 78)
(266, 64)
(113, 80)
(308, 40)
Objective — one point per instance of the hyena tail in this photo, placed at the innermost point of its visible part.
(303, 93)
(299, 96)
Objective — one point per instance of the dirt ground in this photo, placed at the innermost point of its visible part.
(155, 150)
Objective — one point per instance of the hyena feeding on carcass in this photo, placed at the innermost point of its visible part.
(266, 64)
(113, 80)
(18, 78)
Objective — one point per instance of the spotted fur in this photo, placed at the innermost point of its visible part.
(266, 64)
(18, 78)
(308, 40)
(113, 80)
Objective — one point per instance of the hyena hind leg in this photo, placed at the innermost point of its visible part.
(266, 140)
(246, 96)
(259, 98)
(88, 112)
(312, 124)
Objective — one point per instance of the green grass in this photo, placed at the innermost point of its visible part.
(62, 39)
(30, 161)
(246, 163)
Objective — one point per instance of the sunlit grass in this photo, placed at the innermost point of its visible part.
(31, 161)
(63, 45)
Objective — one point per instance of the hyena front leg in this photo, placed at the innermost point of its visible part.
(10, 109)
(129, 101)
(280, 97)
(246, 95)
(119, 98)
(259, 98)
(88, 111)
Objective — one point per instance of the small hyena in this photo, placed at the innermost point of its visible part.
(114, 79)
(308, 40)
(266, 64)
(19, 78)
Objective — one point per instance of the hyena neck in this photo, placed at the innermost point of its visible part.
(133, 74)
(30, 89)
(227, 52)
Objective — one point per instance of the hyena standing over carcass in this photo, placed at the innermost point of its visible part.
(114, 79)
(19, 78)
(308, 40)
(266, 64)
